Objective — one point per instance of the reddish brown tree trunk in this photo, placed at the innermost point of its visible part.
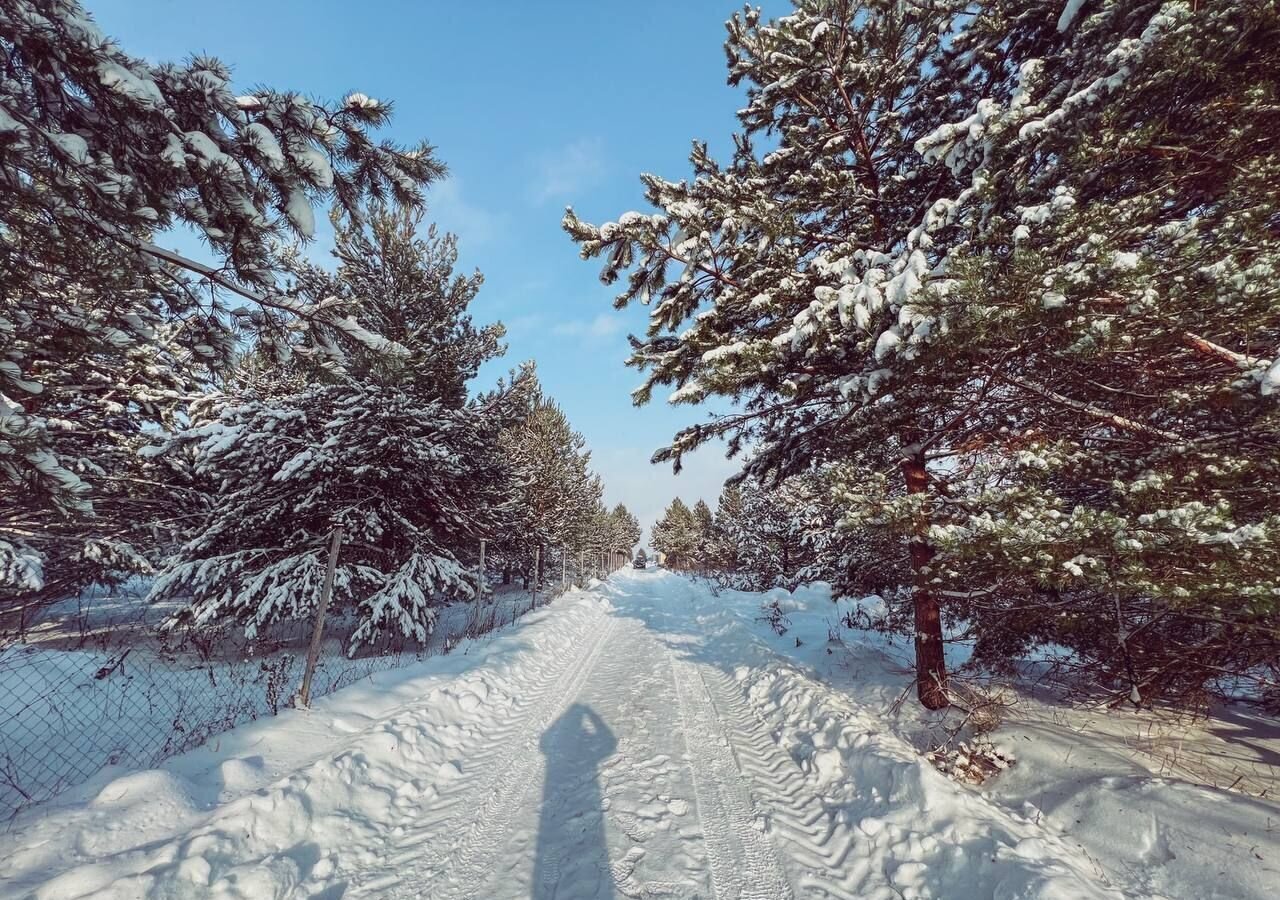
(931, 664)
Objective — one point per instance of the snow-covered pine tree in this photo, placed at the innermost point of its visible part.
(705, 520)
(608, 531)
(100, 154)
(776, 281)
(601, 534)
(406, 285)
(462, 484)
(765, 535)
(556, 501)
(724, 541)
(627, 533)
(1106, 272)
(398, 474)
(675, 535)
(971, 251)
(100, 399)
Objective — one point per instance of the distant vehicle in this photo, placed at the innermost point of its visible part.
(641, 561)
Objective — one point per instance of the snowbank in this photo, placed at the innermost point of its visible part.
(260, 810)
(1142, 796)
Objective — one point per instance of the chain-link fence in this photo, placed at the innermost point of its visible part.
(97, 682)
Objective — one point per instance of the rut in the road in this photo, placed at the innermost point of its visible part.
(743, 862)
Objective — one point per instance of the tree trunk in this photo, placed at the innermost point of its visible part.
(506, 574)
(931, 664)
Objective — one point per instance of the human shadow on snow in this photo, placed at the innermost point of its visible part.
(572, 858)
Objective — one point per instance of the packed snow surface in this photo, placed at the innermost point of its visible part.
(643, 738)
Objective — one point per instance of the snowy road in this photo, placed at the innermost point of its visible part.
(634, 766)
(617, 769)
(636, 740)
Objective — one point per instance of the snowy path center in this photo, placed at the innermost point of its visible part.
(639, 768)
(619, 783)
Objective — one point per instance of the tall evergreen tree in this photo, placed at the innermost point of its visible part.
(1109, 271)
(769, 279)
(776, 535)
(291, 468)
(705, 520)
(1025, 261)
(405, 283)
(675, 535)
(99, 153)
(557, 496)
(626, 528)
(724, 544)
(347, 452)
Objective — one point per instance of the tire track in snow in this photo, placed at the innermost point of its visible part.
(901, 845)
(796, 814)
(457, 846)
(742, 860)
(418, 852)
(645, 787)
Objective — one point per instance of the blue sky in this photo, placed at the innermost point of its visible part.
(533, 106)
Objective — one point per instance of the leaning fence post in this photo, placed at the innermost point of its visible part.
(537, 560)
(322, 609)
(480, 575)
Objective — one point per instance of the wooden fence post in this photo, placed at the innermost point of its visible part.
(564, 568)
(582, 567)
(537, 560)
(480, 575)
(322, 609)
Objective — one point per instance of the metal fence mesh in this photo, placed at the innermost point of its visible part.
(96, 682)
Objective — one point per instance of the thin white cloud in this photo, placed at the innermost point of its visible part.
(569, 170)
(449, 208)
(524, 323)
(602, 326)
